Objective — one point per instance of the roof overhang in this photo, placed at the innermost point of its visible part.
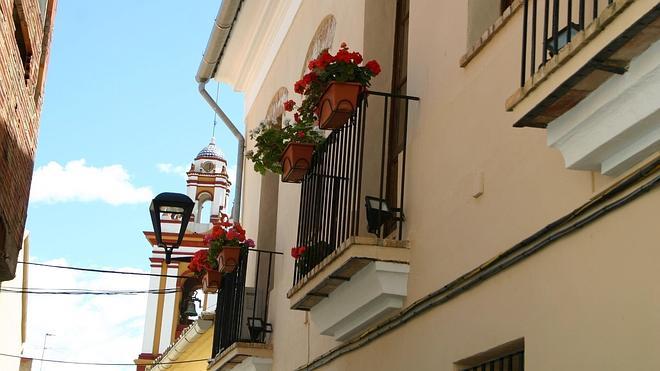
(256, 36)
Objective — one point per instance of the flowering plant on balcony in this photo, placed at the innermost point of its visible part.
(225, 234)
(298, 251)
(270, 141)
(308, 257)
(200, 263)
(207, 270)
(343, 67)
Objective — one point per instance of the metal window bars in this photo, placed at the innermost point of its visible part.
(511, 362)
(242, 311)
(352, 163)
(561, 20)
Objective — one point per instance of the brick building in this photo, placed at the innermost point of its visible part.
(25, 33)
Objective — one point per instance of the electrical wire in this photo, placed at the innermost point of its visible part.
(98, 363)
(102, 270)
(18, 290)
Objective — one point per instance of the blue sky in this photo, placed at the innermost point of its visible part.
(120, 91)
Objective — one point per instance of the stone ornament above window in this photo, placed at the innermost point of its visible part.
(276, 106)
(322, 40)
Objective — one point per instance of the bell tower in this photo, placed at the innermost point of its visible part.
(207, 183)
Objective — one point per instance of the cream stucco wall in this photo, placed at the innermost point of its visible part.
(588, 302)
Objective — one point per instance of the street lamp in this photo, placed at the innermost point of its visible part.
(178, 206)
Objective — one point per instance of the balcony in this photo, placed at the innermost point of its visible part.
(366, 275)
(588, 69)
(242, 331)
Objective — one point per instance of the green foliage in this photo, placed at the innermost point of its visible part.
(270, 142)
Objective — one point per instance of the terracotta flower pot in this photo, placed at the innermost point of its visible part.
(296, 160)
(211, 282)
(338, 103)
(228, 258)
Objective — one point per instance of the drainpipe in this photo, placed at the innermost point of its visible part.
(215, 48)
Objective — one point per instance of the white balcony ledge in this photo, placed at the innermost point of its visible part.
(244, 357)
(622, 31)
(361, 283)
(617, 125)
(374, 293)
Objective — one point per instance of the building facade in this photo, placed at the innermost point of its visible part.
(520, 141)
(25, 34)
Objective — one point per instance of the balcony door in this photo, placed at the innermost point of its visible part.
(397, 127)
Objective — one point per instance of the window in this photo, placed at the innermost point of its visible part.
(512, 362)
(506, 357)
(481, 15)
(22, 37)
(504, 4)
(398, 110)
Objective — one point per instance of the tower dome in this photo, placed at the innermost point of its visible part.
(210, 152)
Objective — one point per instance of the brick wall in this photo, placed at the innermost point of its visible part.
(20, 105)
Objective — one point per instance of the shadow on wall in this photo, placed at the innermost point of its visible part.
(16, 168)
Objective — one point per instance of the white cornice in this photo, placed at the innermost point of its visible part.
(617, 125)
(255, 39)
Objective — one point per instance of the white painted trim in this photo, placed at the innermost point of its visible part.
(372, 295)
(618, 124)
(254, 364)
(185, 340)
(256, 38)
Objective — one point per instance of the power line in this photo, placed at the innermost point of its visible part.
(18, 290)
(98, 363)
(103, 270)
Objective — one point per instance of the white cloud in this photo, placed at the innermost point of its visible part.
(86, 328)
(75, 181)
(173, 169)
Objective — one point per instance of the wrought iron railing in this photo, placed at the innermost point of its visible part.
(333, 191)
(560, 21)
(242, 308)
(511, 362)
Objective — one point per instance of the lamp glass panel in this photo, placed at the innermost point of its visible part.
(378, 204)
(171, 209)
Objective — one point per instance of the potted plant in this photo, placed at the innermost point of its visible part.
(207, 270)
(287, 150)
(226, 241)
(332, 87)
(308, 257)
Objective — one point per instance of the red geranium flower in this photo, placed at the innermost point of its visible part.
(356, 57)
(300, 134)
(324, 59)
(288, 105)
(312, 64)
(310, 77)
(343, 56)
(297, 252)
(373, 67)
(299, 86)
